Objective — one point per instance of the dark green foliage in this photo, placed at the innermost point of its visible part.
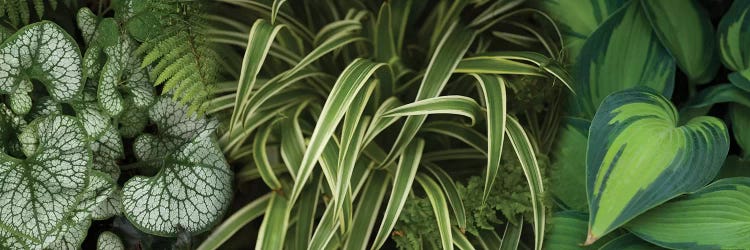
(181, 57)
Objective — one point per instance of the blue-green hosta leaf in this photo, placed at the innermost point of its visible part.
(193, 187)
(733, 34)
(684, 28)
(109, 241)
(716, 217)
(639, 157)
(41, 51)
(37, 193)
(622, 53)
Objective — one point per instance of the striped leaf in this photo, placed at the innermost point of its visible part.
(493, 90)
(439, 207)
(235, 222)
(273, 229)
(622, 53)
(367, 211)
(684, 28)
(732, 37)
(716, 217)
(639, 157)
(455, 105)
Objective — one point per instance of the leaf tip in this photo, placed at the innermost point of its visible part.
(590, 239)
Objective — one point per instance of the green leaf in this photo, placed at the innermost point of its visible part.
(42, 51)
(636, 133)
(234, 223)
(367, 210)
(39, 192)
(527, 158)
(446, 57)
(260, 157)
(741, 127)
(456, 105)
(109, 241)
(579, 19)
(512, 235)
(259, 43)
(403, 179)
(193, 187)
(449, 187)
(439, 207)
(716, 217)
(493, 90)
(351, 81)
(272, 231)
(685, 30)
(569, 167)
(568, 230)
(622, 53)
(732, 36)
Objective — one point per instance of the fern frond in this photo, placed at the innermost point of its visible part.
(18, 12)
(181, 58)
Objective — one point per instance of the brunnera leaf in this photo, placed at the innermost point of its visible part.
(192, 189)
(38, 192)
(109, 241)
(42, 51)
(639, 157)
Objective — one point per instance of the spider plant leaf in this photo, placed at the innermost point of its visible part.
(670, 159)
(451, 192)
(446, 57)
(493, 91)
(545, 63)
(22, 52)
(622, 53)
(326, 229)
(527, 157)
(351, 81)
(367, 211)
(512, 235)
(272, 231)
(463, 133)
(109, 241)
(234, 223)
(292, 140)
(403, 179)
(455, 105)
(275, 9)
(685, 30)
(259, 43)
(45, 188)
(192, 189)
(496, 65)
(307, 214)
(715, 217)
(439, 207)
(260, 157)
(460, 240)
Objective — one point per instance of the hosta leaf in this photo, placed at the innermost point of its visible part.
(193, 187)
(42, 51)
(568, 229)
(578, 19)
(733, 34)
(741, 127)
(569, 169)
(109, 241)
(716, 217)
(37, 193)
(622, 53)
(639, 157)
(685, 30)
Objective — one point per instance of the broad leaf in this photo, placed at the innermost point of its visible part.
(741, 127)
(733, 34)
(42, 51)
(39, 192)
(569, 169)
(109, 241)
(193, 187)
(684, 28)
(639, 157)
(622, 53)
(716, 217)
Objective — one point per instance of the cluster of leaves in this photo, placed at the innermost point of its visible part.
(348, 110)
(86, 138)
(642, 181)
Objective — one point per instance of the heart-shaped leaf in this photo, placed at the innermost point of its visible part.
(109, 241)
(639, 157)
(37, 193)
(45, 52)
(716, 217)
(622, 53)
(685, 29)
(193, 187)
